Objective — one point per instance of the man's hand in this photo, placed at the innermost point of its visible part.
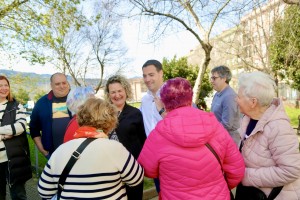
(159, 106)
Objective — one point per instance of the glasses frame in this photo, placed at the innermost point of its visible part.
(213, 78)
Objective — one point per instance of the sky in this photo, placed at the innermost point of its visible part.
(178, 44)
(139, 50)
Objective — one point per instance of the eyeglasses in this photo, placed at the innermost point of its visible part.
(213, 78)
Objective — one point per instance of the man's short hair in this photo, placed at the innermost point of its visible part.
(156, 63)
(223, 71)
(51, 77)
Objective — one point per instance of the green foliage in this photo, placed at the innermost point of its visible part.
(22, 96)
(293, 113)
(38, 95)
(180, 68)
(285, 47)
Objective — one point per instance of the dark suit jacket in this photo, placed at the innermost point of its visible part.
(130, 130)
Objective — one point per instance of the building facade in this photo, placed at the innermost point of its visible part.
(245, 47)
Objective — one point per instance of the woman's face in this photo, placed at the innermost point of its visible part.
(117, 95)
(4, 89)
(243, 102)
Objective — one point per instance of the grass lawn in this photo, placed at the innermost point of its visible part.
(293, 113)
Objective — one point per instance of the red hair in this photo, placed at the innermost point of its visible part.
(175, 93)
(9, 96)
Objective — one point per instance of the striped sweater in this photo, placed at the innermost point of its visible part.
(15, 129)
(101, 172)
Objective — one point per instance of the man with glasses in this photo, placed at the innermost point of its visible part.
(224, 105)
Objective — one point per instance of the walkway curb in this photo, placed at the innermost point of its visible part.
(150, 193)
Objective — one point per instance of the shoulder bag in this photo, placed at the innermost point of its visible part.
(75, 156)
(216, 155)
(253, 193)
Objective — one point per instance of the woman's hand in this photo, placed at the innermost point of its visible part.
(6, 137)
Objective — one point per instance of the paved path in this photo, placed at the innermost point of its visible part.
(31, 190)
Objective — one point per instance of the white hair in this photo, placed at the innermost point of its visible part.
(77, 97)
(258, 85)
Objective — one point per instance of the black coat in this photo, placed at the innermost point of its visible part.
(17, 149)
(130, 130)
(131, 133)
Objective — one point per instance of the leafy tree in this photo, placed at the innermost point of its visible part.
(6, 8)
(285, 47)
(38, 95)
(22, 96)
(62, 33)
(180, 68)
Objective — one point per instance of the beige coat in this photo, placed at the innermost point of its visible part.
(271, 154)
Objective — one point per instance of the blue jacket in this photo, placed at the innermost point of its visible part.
(41, 120)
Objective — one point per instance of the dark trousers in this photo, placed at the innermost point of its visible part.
(157, 185)
(17, 190)
(136, 192)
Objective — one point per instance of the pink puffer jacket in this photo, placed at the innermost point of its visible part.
(271, 154)
(175, 152)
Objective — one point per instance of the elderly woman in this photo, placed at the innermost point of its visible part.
(130, 130)
(176, 150)
(270, 147)
(75, 99)
(15, 166)
(103, 168)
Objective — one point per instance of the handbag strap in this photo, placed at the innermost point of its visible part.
(275, 191)
(218, 158)
(75, 156)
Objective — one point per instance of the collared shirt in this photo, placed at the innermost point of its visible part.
(226, 109)
(149, 112)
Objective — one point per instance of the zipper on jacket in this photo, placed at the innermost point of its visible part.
(8, 177)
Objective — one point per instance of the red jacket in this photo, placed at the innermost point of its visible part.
(71, 128)
(175, 152)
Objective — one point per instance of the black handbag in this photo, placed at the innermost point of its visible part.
(216, 155)
(253, 193)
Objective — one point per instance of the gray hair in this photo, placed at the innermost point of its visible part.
(258, 85)
(223, 72)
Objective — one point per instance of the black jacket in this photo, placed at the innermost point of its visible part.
(130, 130)
(17, 149)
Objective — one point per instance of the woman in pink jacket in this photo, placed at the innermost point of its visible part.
(270, 146)
(175, 150)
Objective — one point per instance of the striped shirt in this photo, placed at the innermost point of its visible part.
(101, 172)
(15, 129)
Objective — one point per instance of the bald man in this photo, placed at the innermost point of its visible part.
(50, 116)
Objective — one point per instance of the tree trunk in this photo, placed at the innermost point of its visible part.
(202, 69)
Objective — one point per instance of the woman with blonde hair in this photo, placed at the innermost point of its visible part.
(130, 130)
